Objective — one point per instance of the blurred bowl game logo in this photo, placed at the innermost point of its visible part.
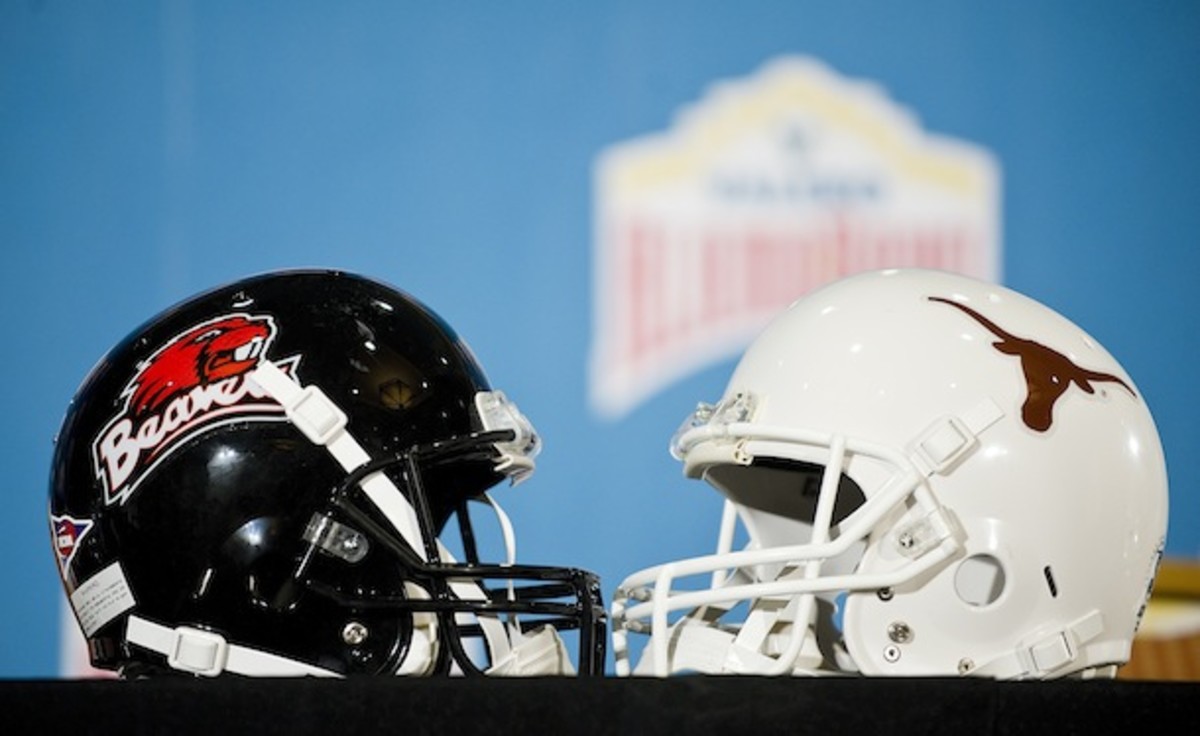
(766, 188)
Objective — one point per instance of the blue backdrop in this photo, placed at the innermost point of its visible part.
(149, 150)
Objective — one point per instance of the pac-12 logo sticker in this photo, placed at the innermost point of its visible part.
(68, 535)
(197, 381)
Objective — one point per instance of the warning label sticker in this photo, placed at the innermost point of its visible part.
(102, 598)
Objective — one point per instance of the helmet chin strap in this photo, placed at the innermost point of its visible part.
(770, 640)
(208, 654)
(324, 423)
(1040, 656)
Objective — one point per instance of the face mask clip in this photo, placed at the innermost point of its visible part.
(712, 421)
(336, 539)
(517, 454)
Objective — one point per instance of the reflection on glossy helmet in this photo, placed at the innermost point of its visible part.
(933, 476)
(255, 481)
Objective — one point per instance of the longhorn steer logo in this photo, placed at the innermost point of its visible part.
(1048, 373)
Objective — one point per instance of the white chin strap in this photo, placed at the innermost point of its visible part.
(207, 654)
(1050, 654)
(698, 644)
(324, 423)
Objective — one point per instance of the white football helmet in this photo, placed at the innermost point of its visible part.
(935, 476)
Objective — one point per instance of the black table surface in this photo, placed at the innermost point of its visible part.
(677, 706)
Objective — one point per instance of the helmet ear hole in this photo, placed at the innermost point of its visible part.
(980, 580)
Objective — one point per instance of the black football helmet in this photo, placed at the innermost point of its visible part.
(255, 481)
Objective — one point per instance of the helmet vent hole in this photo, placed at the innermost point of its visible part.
(1053, 586)
(980, 580)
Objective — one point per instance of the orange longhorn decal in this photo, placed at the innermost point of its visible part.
(1048, 373)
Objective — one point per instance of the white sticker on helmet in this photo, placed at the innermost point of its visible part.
(102, 598)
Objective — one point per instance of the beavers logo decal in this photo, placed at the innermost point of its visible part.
(195, 382)
(1048, 373)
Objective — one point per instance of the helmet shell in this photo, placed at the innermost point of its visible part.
(174, 465)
